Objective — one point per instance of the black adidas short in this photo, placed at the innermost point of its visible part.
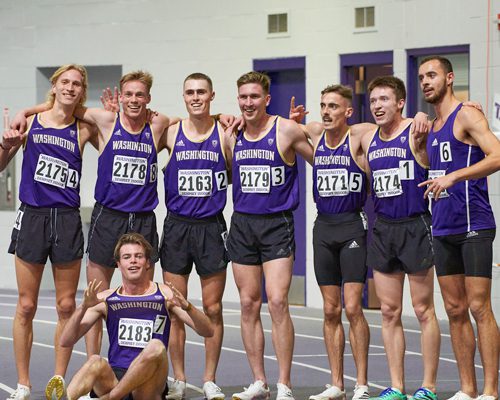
(108, 225)
(401, 245)
(255, 239)
(188, 240)
(40, 233)
(469, 253)
(339, 243)
(120, 373)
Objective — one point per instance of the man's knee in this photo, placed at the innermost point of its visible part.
(456, 309)
(278, 305)
(26, 308)
(65, 307)
(250, 306)
(353, 310)
(213, 311)
(155, 350)
(480, 309)
(391, 312)
(95, 364)
(424, 312)
(332, 312)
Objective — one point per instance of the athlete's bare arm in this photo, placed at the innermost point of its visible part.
(88, 133)
(186, 312)
(292, 140)
(472, 128)
(12, 140)
(85, 315)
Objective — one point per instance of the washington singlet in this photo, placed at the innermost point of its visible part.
(132, 321)
(464, 207)
(339, 183)
(127, 170)
(263, 182)
(195, 176)
(52, 166)
(396, 174)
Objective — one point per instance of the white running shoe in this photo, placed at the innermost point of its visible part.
(361, 392)
(330, 393)
(485, 397)
(176, 391)
(56, 388)
(21, 393)
(212, 391)
(256, 391)
(461, 396)
(284, 392)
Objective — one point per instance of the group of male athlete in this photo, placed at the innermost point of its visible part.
(402, 163)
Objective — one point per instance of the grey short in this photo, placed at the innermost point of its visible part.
(40, 233)
(401, 245)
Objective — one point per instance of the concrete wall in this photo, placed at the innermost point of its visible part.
(221, 38)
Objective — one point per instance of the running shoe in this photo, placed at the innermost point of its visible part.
(176, 391)
(284, 392)
(361, 392)
(391, 394)
(330, 393)
(461, 396)
(56, 388)
(424, 394)
(256, 391)
(212, 391)
(21, 393)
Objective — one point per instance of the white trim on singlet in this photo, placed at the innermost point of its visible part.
(467, 191)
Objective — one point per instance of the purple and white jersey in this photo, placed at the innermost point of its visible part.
(52, 166)
(339, 183)
(465, 206)
(127, 170)
(395, 174)
(132, 321)
(195, 176)
(263, 182)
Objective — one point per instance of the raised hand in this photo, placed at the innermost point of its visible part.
(109, 100)
(297, 113)
(90, 298)
(420, 127)
(11, 137)
(178, 299)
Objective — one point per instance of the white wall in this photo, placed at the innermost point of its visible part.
(221, 38)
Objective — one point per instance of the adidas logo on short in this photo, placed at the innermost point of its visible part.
(374, 144)
(435, 142)
(321, 148)
(180, 143)
(471, 234)
(354, 245)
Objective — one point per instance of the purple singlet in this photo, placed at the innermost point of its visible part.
(52, 166)
(339, 183)
(127, 171)
(195, 176)
(263, 183)
(464, 207)
(395, 175)
(132, 321)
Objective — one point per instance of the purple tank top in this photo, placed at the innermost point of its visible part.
(195, 176)
(263, 183)
(127, 170)
(52, 166)
(132, 321)
(465, 206)
(339, 183)
(395, 174)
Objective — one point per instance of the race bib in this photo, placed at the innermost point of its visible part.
(195, 182)
(134, 332)
(255, 178)
(387, 183)
(332, 182)
(433, 174)
(131, 170)
(51, 171)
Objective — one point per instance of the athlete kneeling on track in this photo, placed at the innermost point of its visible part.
(137, 316)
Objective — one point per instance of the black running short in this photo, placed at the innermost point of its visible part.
(339, 243)
(401, 245)
(120, 372)
(255, 239)
(469, 253)
(107, 226)
(200, 241)
(40, 233)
